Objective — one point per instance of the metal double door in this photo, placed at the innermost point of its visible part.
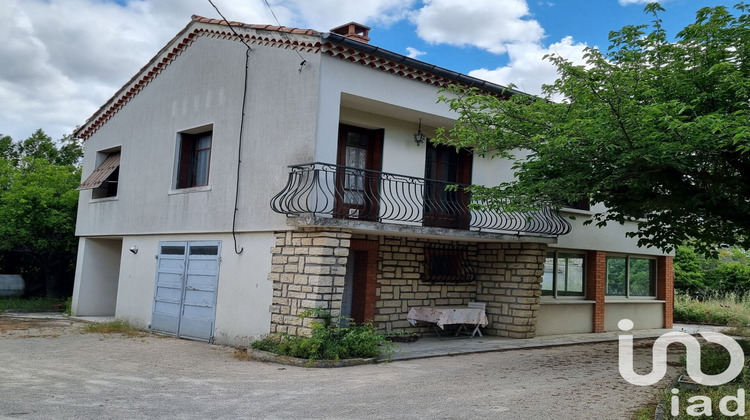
(187, 278)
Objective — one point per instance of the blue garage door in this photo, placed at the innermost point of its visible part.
(187, 277)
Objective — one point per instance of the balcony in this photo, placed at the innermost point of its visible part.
(340, 192)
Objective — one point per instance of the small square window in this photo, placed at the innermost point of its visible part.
(194, 159)
(105, 178)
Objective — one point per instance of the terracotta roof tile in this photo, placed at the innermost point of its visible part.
(273, 28)
(202, 19)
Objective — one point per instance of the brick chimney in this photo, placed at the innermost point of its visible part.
(354, 31)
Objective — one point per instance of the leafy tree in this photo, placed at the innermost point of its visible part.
(38, 203)
(657, 131)
(41, 146)
(689, 271)
(726, 271)
(7, 148)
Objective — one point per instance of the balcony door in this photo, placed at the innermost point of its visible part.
(359, 152)
(443, 166)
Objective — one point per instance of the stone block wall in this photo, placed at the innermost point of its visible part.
(399, 284)
(307, 269)
(509, 281)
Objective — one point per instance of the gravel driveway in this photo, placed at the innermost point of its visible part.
(50, 369)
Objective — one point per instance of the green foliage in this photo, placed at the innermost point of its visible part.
(38, 204)
(714, 360)
(725, 271)
(725, 310)
(330, 340)
(67, 306)
(655, 130)
(689, 271)
(41, 146)
(30, 305)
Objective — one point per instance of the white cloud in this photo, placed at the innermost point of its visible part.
(62, 59)
(526, 67)
(413, 52)
(323, 15)
(487, 24)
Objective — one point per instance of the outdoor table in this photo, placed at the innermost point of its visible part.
(446, 315)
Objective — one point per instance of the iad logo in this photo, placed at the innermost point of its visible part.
(701, 405)
(693, 357)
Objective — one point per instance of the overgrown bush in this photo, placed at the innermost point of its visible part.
(700, 276)
(333, 338)
(718, 310)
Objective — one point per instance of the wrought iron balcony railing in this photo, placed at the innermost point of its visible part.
(326, 190)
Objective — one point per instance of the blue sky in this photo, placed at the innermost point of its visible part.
(62, 59)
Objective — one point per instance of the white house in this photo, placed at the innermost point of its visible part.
(249, 172)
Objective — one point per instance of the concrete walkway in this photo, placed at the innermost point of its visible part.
(433, 346)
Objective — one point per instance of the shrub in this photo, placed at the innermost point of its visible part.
(728, 310)
(333, 338)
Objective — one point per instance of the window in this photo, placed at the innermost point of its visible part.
(447, 265)
(582, 204)
(563, 275)
(103, 181)
(194, 159)
(629, 276)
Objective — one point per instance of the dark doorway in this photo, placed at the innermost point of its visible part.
(358, 301)
(444, 166)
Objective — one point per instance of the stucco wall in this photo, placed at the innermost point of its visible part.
(243, 295)
(102, 264)
(564, 318)
(204, 86)
(644, 314)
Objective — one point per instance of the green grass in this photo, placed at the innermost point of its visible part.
(728, 310)
(114, 327)
(714, 360)
(32, 304)
(718, 310)
(645, 413)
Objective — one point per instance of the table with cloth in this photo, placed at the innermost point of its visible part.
(446, 315)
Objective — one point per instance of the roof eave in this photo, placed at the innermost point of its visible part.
(421, 65)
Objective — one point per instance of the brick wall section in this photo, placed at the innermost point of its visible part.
(596, 283)
(401, 266)
(509, 281)
(665, 287)
(307, 270)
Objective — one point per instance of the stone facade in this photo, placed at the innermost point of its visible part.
(400, 286)
(510, 284)
(309, 268)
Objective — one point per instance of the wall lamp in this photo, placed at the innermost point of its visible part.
(419, 136)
